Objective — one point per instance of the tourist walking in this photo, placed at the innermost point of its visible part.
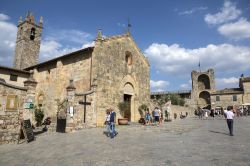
(157, 113)
(107, 122)
(229, 116)
(148, 118)
(200, 113)
(212, 113)
(112, 120)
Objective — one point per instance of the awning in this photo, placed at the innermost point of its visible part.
(246, 104)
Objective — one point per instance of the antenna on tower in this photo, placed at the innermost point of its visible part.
(129, 26)
(199, 65)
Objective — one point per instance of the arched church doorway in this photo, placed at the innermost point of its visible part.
(128, 96)
(127, 113)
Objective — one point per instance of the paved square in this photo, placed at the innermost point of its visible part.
(188, 142)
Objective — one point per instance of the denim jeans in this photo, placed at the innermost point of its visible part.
(112, 129)
(230, 125)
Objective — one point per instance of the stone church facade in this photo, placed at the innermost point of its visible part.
(81, 85)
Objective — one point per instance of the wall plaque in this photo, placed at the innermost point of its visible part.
(12, 102)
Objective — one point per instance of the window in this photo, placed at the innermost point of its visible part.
(128, 58)
(13, 77)
(217, 98)
(32, 33)
(234, 97)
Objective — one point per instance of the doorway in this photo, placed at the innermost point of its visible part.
(127, 113)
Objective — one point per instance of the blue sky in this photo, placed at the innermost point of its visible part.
(174, 35)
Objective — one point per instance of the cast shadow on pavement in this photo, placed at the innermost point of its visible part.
(218, 132)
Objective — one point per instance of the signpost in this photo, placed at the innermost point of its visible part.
(28, 105)
(27, 131)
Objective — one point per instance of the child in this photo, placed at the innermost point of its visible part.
(148, 118)
(107, 122)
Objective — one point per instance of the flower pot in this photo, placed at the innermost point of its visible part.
(123, 121)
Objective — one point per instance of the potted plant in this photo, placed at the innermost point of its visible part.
(142, 110)
(123, 107)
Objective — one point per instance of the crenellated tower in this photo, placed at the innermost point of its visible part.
(28, 42)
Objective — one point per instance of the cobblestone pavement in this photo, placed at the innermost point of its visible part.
(188, 142)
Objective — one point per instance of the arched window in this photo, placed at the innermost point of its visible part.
(203, 82)
(128, 58)
(32, 33)
(40, 100)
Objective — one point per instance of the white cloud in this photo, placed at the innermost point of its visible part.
(179, 61)
(51, 49)
(4, 17)
(231, 82)
(69, 35)
(60, 42)
(8, 32)
(185, 86)
(193, 10)
(158, 86)
(237, 30)
(88, 44)
(227, 13)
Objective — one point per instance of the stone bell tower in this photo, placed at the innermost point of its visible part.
(28, 42)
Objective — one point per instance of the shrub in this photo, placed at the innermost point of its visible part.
(123, 106)
(143, 108)
(39, 116)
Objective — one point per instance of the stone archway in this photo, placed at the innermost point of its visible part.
(204, 82)
(129, 90)
(128, 96)
(204, 100)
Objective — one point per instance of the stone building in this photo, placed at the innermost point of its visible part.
(15, 88)
(232, 96)
(203, 85)
(204, 94)
(78, 87)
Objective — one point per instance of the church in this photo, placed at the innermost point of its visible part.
(77, 87)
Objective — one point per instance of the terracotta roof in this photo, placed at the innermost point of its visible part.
(60, 57)
(228, 91)
(2, 82)
(14, 69)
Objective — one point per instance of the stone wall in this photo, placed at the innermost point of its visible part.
(226, 100)
(77, 121)
(53, 78)
(112, 72)
(182, 110)
(11, 104)
(246, 95)
(6, 72)
(9, 127)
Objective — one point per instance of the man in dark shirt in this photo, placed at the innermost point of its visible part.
(113, 133)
